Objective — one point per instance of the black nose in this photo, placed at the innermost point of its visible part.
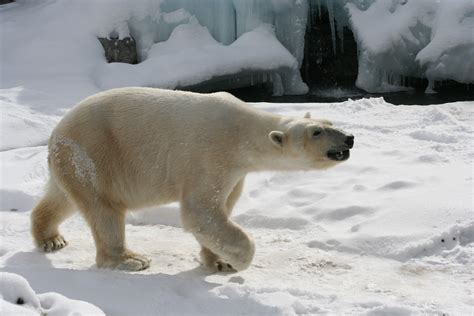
(350, 141)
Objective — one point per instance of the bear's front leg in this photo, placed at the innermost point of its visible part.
(205, 217)
(213, 263)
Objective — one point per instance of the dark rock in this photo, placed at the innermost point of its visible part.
(6, 1)
(120, 50)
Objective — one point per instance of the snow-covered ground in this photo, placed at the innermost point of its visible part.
(389, 231)
(19, 299)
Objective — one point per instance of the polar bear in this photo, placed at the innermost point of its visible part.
(131, 148)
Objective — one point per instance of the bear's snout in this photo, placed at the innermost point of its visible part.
(349, 141)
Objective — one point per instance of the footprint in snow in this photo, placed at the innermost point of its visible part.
(433, 137)
(397, 185)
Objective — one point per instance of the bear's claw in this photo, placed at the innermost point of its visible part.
(213, 263)
(223, 266)
(54, 243)
(134, 263)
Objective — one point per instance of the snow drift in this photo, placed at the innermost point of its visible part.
(17, 298)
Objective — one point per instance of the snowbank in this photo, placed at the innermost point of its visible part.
(17, 298)
(20, 123)
(423, 38)
(191, 56)
(449, 53)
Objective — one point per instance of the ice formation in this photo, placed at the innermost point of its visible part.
(450, 53)
(407, 38)
(396, 39)
(338, 18)
(404, 38)
(225, 22)
(191, 56)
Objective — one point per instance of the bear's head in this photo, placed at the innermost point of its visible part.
(312, 143)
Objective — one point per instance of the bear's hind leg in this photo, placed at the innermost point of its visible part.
(46, 217)
(108, 228)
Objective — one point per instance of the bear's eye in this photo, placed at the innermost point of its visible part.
(20, 301)
(316, 133)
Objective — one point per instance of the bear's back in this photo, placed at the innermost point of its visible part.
(134, 108)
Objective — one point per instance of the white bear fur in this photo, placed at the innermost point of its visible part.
(131, 148)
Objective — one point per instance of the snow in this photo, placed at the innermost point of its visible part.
(389, 231)
(84, 167)
(65, 33)
(449, 54)
(423, 38)
(19, 299)
(32, 128)
(13, 288)
(192, 56)
(217, 16)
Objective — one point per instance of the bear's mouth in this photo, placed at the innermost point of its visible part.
(338, 155)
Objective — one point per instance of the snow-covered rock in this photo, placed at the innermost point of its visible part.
(408, 38)
(191, 56)
(17, 298)
(449, 54)
(55, 304)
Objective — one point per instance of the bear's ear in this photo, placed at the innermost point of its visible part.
(277, 138)
(307, 115)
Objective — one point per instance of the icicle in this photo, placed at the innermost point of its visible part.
(278, 89)
(319, 8)
(340, 31)
(430, 87)
(330, 7)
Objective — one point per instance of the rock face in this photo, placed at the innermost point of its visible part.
(120, 50)
(6, 1)
(324, 64)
